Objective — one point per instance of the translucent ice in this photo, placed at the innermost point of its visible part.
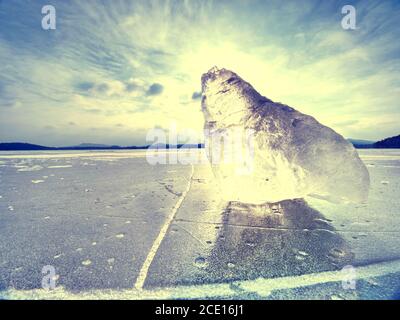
(292, 154)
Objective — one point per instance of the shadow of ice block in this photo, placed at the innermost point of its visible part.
(275, 240)
(251, 241)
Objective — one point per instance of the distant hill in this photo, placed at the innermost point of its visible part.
(392, 142)
(15, 146)
(362, 144)
(21, 146)
(91, 145)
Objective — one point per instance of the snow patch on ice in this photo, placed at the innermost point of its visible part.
(86, 262)
(37, 181)
(27, 169)
(60, 167)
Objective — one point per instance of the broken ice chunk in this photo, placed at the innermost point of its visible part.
(290, 155)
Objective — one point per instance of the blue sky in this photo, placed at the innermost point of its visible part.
(112, 70)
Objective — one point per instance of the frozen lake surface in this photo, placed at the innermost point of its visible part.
(114, 226)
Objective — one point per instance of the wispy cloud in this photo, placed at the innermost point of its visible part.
(123, 67)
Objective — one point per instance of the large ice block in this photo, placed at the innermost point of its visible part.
(288, 155)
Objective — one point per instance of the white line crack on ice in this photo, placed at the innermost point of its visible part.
(152, 253)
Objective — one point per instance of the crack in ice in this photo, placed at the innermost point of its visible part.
(152, 253)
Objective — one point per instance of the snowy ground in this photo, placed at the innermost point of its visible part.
(114, 226)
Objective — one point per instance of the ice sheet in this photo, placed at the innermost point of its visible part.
(95, 221)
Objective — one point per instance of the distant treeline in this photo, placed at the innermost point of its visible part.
(388, 143)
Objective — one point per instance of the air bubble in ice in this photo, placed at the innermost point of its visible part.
(200, 262)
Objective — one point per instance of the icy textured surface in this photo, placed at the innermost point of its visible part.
(97, 214)
(294, 155)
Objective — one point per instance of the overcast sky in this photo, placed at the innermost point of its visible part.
(112, 70)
